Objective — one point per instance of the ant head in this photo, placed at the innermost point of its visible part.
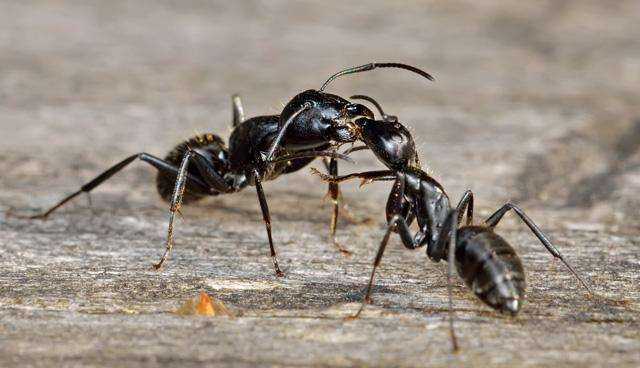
(390, 141)
(329, 117)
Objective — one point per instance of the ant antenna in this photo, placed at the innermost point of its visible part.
(385, 117)
(370, 99)
(371, 66)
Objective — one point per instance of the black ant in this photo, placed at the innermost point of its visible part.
(218, 169)
(316, 119)
(486, 262)
(309, 125)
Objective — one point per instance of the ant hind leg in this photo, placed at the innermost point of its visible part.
(159, 164)
(495, 218)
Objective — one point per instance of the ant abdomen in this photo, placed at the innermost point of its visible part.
(491, 268)
(210, 146)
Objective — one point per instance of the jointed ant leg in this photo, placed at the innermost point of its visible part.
(494, 219)
(307, 154)
(214, 182)
(367, 176)
(152, 160)
(454, 220)
(283, 129)
(376, 263)
(238, 111)
(208, 172)
(176, 203)
(407, 240)
(267, 223)
(354, 149)
(335, 195)
(400, 224)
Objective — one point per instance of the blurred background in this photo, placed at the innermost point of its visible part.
(536, 102)
(532, 101)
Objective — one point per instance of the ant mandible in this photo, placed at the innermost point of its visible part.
(486, 262)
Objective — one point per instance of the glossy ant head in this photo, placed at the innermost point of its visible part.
(319, 118)
(390, 141)
(330, 118)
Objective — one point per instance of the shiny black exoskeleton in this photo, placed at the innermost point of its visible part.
(216, 169)
(486, 262)
(260, 149)
(315, 119)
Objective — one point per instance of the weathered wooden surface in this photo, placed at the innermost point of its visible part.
(536, 103)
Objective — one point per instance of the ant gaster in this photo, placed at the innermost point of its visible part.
(317, 123)
(486, 262)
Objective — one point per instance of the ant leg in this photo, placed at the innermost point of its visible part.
(209, 175)
(494, 219)
(267, 222)
(339, 197)
(335, 195)
(238, 111)
(283, 129)
(376, 263)
(408, 241)
(466, 202)
(176, 203)
(454, 220)
(354, 149)
(367, 176)
(307, 154)
(159, 164)
(396, 222)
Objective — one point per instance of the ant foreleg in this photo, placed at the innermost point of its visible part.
(494, 219)
(354, 149)
(267, 222)
(159, 164)
(307, 154)
(367, 176)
